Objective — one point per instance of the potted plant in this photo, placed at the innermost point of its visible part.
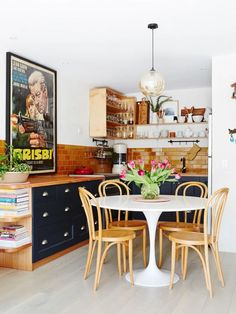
(149, 181)
(12, 169)
(157, 103)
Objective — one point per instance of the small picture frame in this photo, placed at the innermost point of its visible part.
(171, 108)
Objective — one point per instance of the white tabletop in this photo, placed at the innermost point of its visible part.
(132, 203)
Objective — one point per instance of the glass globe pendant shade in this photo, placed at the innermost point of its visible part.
(152, 83)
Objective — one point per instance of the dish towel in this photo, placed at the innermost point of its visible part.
(192, 153)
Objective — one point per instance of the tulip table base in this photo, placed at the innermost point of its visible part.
(152, 276)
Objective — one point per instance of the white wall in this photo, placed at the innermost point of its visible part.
(224, 152)
(197, 97)
(72, 101)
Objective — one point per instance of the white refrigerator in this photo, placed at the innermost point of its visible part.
(210, 135)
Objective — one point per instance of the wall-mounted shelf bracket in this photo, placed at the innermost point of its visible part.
(101, 143)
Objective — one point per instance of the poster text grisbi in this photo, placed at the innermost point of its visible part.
(35, 154)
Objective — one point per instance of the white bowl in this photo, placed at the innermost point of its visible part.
(197, 118)
(14, 177)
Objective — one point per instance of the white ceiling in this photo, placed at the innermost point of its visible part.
(107, 43)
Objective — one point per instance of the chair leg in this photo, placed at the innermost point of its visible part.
(124, 257)
(131, 275)
(105, 245)
(160, 241)
(208, 270)
(182, 259)
(145, 247)
(119, 258)
(173, 256)
(97, 265)
(218, 265)
(90, 246)
(185, 262)
(90, 259)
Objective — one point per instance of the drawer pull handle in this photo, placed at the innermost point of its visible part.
(67, 209)
(82, 228)
(67, 190)
(66, 234)
(95, 222)
(44, 242)
(45, 214)
(45, 194)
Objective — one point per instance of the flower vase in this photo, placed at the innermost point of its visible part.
(150, 191)
(154, 119)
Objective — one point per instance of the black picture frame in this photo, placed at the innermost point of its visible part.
(31, 112)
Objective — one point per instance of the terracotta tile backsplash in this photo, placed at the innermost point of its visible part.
(70, 157)
(174, 155)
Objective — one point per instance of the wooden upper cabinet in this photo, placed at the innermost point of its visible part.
(97, 112)
(112, 114)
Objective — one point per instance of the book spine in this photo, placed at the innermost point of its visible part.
(14, 205)
(13, 200)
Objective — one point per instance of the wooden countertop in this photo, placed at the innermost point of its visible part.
(36, 181)
(194, 174)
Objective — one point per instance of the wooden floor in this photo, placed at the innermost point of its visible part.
(58, 287)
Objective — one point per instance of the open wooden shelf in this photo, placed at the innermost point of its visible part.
(14, 218)
(14, 249)
(115, 109)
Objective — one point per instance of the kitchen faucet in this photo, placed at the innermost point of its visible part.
(183, 170)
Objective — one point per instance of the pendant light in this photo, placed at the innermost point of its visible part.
(152, 83)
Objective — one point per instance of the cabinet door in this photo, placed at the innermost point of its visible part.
(57, 237)
(97, 113)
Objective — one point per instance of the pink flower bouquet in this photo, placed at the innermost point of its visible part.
(149, 181)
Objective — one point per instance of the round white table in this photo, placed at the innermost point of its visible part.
(151, 276)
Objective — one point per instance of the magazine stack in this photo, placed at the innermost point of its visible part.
(13, 236)
(14, 202)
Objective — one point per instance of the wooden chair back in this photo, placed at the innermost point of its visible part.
(215, 206)
(121, 189)
(85, 197)
(185, 188)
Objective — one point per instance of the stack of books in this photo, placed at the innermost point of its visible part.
(13, 236)
(14, 202)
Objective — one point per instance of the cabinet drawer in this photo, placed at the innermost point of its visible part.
(44, 194)
(45, 213)
(68, 192)
(53, 238)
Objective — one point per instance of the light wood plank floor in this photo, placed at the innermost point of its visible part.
(59, 288)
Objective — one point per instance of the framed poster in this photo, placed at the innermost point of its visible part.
(31, 112)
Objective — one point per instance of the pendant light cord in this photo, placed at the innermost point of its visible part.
(152, 69)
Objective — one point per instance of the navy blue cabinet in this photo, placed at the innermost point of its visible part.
(169, 189)
(59, 219)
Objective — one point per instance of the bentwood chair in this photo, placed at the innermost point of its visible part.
(197, 240)
(109, 237)
(138, 226)
(165, 227)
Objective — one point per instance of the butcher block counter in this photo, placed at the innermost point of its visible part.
(46, 180)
